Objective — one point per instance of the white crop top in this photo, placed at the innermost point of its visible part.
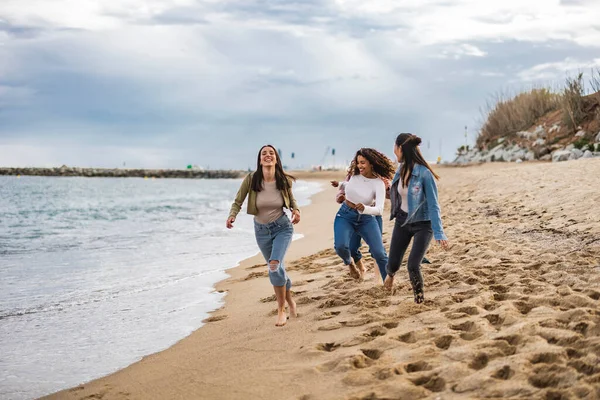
(366, 191)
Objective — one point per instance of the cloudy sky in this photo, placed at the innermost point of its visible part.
(165, 83)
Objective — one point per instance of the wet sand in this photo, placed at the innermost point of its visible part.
(512, 309)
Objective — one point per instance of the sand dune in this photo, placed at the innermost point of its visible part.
(512, 309)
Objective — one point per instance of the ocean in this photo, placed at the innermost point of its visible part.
(95, 273)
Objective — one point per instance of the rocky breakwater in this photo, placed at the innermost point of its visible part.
(124, 173)
(543, 143)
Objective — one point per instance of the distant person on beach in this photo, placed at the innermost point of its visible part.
(414, 205)
(269, 191)
(357, 215)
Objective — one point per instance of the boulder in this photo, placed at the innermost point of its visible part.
(530, 156)
(577, 153)
(539, 142)
(561, 155)
(588, 154)
(570, 147)
(581, 133)
(547, 157)
(539, 131)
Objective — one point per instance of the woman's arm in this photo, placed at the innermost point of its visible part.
(240, 197)
(431, 194)
(293, 204)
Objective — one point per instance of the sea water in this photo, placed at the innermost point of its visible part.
(97, 272)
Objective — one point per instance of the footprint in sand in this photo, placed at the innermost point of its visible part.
(253, 275)
(330, 327)
(409, 337)
(469, 329)
(328, 347)
(433, 383)
(327, 315)
(444, 342)
(504, 373)
(215, 318)
(553, 376)
(418, 366)
(480, 361)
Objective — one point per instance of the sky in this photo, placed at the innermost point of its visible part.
(167, 83)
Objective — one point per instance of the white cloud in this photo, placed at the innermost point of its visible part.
(558, 70)
(233, 68)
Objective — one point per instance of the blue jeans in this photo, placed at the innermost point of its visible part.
(273, 240)
(348, 222)
(356, 239)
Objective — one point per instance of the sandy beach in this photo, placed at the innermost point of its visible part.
(512, 309)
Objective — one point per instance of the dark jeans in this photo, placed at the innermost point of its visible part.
(401, 237)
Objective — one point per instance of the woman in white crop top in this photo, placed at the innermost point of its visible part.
(365, 196)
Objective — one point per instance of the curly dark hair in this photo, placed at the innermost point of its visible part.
(382, 165)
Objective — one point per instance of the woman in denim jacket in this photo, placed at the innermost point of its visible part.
(269, 191)
(414, 205)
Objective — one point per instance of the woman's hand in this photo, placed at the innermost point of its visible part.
(340, 198)
(335, 183)
(295, 217)
(444, 243)
(360, 207)
(230, 222)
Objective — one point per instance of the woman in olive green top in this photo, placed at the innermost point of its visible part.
(269, 191)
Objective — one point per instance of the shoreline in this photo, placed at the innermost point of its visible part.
(309, 243)
(511, 308)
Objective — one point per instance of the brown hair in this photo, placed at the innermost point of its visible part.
(382, 165)
(282, 179)
(411, 155)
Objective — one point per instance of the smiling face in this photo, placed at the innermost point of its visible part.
(268, 157)
(364, 166)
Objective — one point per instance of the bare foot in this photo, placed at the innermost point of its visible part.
(281, 317)
(354, 271)
(361, 270)
(292, 307)
(388, 284)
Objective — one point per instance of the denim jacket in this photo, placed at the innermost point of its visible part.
(422, 199)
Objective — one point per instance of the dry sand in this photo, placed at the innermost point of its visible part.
(512, 308)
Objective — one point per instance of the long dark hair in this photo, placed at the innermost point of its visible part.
(282, 179)
(382, 165)
(411, 155)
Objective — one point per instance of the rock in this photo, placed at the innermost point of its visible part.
(539, 142)
(581, 133)
(570, 147)
(547, 157)
(519, 161)
(540, 131)
(561, 155)
(501, 140)
(527, 135)
(597, 137)
(577, 153)
(588, 154)
(554, 128)
(530, 156)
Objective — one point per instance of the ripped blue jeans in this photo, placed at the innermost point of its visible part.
(273, 239)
